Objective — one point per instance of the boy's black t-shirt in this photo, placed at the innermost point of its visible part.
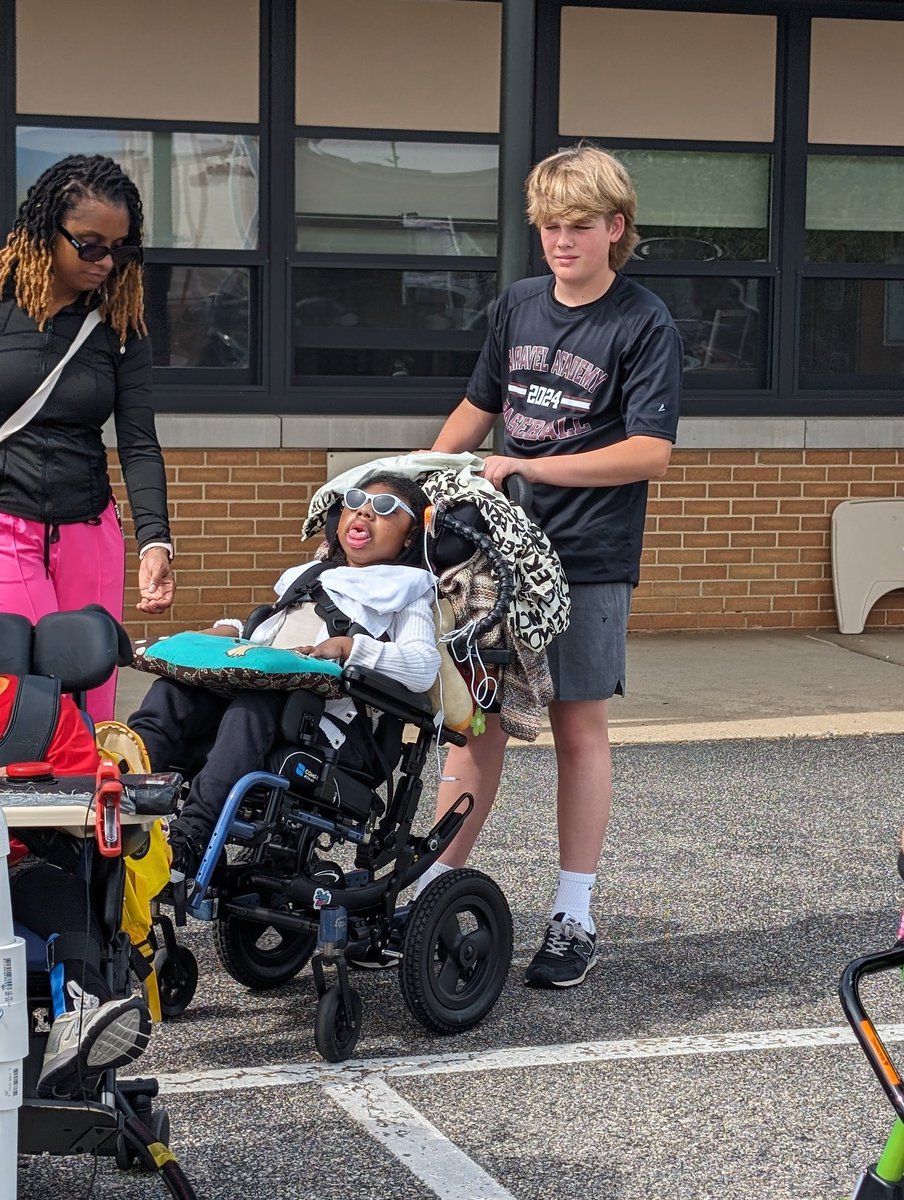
(568, 380)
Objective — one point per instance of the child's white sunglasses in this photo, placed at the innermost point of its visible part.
(383, 503)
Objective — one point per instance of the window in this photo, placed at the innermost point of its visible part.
(854, 208)
(398, 64)
(855, 82)
(852, 333)
(198, 190)
(392, 197)
(642, 73)
(103, 58)
(700, 205)
(202, 317)
(388, 322)
(723, 322)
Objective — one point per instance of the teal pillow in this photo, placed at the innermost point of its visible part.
(204, 660)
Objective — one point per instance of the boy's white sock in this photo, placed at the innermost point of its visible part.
(573, 898)
(433, 872)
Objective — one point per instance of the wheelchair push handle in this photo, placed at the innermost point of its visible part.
(107, 810)
(520, 491)
(860, 1022)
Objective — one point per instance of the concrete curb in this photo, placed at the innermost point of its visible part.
(818, 726)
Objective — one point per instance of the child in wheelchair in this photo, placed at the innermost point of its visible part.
(319, 799)
(373, 610)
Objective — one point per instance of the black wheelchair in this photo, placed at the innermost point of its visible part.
(74, 822)
(279, 899)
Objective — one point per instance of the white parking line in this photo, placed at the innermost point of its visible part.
(516, 1059)
(417, 1144)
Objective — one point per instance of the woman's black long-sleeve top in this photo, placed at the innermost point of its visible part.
(55, 469)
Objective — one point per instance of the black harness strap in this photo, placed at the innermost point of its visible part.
(33, 720)
(75, 946)
(307, 588)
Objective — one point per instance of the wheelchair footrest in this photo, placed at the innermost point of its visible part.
(67, 1127)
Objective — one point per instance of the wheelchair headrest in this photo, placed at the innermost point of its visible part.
(16, 643)
(450, 549)
(80, 648)
(446, 550)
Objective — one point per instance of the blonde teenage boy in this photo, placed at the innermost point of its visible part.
(585, 370)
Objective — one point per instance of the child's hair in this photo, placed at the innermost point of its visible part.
(27, 255)
(583, 183)
(415, 497)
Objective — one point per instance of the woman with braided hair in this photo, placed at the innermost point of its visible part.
(75, 249)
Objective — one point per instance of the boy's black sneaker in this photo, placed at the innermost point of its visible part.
(567, 954)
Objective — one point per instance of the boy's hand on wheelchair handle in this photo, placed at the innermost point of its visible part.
(497, 467)
(337, 648)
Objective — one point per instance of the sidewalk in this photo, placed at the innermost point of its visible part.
(701, 687)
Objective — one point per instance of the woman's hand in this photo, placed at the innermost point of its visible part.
(336, 648)
(155, 581)
(221, 631)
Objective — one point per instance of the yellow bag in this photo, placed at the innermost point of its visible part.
(147, 873)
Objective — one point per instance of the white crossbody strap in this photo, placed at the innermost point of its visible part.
(39, 396)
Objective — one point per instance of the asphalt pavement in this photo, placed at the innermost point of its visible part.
(751, 855)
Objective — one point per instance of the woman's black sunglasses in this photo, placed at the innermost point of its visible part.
(383, 503)
(94, 252)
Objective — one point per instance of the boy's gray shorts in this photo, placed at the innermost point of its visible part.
(587, 661)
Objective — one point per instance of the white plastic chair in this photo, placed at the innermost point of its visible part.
(867, 557)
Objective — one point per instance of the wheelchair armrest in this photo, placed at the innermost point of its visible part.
(389, 696)
(143, 795)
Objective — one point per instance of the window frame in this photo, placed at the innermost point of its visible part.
(202, 390)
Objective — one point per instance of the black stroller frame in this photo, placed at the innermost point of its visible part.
(454, 943)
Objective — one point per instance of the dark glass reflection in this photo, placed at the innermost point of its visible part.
(199, 316)
(384, 364)
(855, 245)
(723, 322)
(431, 300)
(852, 333)
(385, 323)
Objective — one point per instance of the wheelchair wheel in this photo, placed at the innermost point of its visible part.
(260, 956)
(336, 1030)
(177, 981)
(456, 951)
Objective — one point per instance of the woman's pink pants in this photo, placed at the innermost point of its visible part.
(85, 564)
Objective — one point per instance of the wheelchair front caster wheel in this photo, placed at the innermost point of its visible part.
(126, 1154)
(131, 1152)
(457, 951)
(177, 980)
(336, 1029)
(159, 1126)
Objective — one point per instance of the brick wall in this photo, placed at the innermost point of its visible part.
(735, 539)
(742, 539)
(236, 517)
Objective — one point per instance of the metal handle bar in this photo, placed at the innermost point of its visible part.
(863, 1027)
